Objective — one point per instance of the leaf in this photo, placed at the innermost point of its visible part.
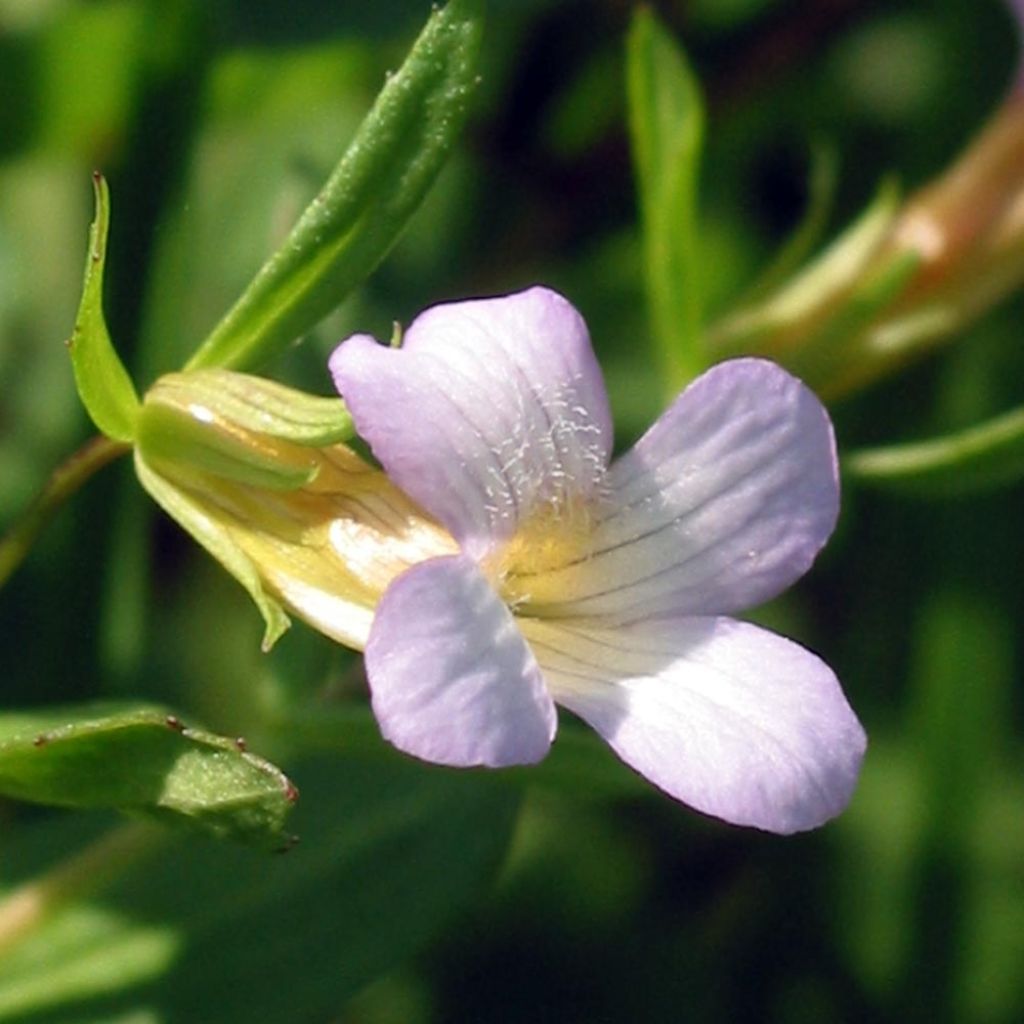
(666, 120)
(103, 383)
(144, 762)
(781, 321)
(985, 456)
(824, 175)
(361, 210)
(390, 852)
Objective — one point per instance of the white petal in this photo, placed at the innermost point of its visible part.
(720, 506)
(733, 720)
(490, 410)
(451, 677)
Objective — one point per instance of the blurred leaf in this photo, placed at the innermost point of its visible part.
(349, 227)
(824, 176)
(390, 853)
(985, 456)
(828, 358)
(44, 216)
(142, 761)
(666, 120)
(103, 383)
(781, 320)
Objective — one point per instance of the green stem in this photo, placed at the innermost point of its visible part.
(31, 904)
(63, 482)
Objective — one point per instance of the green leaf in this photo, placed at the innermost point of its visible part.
(103, 383)
(194, 444)
(666, 120)
(143, 762)
(390, 852)
(985, 456)
(358, 215)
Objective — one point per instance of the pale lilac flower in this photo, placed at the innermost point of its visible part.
(604, 588)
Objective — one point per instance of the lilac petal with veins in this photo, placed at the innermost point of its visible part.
(720, 506)
(733, 720)
(492, 410)
(451, 677)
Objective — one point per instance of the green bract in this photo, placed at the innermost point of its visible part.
(103, 383)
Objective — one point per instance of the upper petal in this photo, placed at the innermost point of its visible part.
(451, 677)
(727, 717)
(721, 505)
(491, 409)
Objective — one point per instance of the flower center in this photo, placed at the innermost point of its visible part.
(555, 535)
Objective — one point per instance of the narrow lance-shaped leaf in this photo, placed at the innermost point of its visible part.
(103, 383)
(358, 215)
(144, 762)
(821, 187)
(666, 119)
(984, 456)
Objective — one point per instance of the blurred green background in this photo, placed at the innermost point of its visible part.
(215, 122)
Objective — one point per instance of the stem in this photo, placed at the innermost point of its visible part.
(63, 482)
(28, 906)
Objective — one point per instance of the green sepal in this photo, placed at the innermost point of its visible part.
(103, 383)
(259, 405)
(237, 427)
(666, 120)
(167, 433)
(144, 762)
(367, 201)
(216, 539)
(985, 456)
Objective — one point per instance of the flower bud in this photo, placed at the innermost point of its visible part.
(901, 279)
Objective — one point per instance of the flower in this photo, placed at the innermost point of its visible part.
(605, 587)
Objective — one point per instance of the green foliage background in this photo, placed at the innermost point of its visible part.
(215, 123)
